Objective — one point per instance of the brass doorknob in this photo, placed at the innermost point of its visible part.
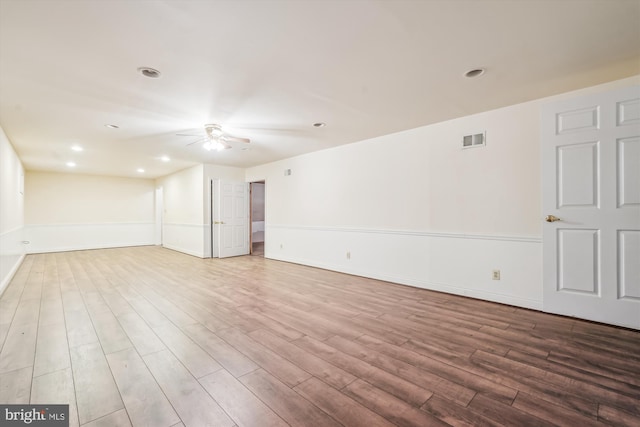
(551, 218)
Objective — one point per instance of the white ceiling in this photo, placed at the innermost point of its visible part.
(267, 70)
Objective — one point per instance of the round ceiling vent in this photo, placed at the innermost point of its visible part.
(152, 73)
(476, 72)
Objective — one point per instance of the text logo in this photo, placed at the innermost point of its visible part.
(34, 415)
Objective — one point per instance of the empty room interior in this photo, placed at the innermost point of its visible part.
(320, 213)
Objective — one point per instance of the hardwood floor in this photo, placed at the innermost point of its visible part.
(257, 248)
(148, 336)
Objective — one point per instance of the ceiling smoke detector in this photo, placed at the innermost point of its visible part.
(152, 73)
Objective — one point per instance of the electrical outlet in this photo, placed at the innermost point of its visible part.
(348, 254)
(495, 275)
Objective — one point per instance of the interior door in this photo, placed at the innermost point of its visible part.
(233, 218)
(591, 200)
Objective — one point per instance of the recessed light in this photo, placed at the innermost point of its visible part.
(71, 164)
(165, 158)
(77, 148)
(152, 73)
(476, 72)
(112, 126)
(319, 125)
(140, 170)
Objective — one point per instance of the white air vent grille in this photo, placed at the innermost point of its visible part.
(474, 140)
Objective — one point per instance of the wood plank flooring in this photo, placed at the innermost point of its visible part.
(150, 337)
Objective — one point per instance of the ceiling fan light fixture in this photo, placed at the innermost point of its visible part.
(212, 145)
(152, 73)
(216, 139)
(214, 131)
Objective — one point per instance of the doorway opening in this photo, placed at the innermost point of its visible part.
(257, 242)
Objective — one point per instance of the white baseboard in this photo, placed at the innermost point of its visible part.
(45, 238)
(12, 253)
(447, 262)
(185, 238)
(439, 287)
(9, 275)
(89, 247)
(183, 250)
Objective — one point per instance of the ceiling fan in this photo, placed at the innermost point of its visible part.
(215, 138)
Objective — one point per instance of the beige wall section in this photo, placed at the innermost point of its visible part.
(12, 249)
(186, 192)
(11, 175)
(183, 196)
(58, 198)
(224, 172)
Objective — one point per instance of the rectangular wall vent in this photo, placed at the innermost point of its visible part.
(475, 140)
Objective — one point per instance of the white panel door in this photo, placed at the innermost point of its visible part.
(591, 200)
(233, 214)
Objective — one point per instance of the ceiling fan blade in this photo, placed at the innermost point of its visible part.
(229, 138)
(187, 134)
(196, 141)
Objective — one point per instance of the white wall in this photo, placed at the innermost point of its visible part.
(66, 211)
(415, 208)
(183, 226)
(11, 211)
